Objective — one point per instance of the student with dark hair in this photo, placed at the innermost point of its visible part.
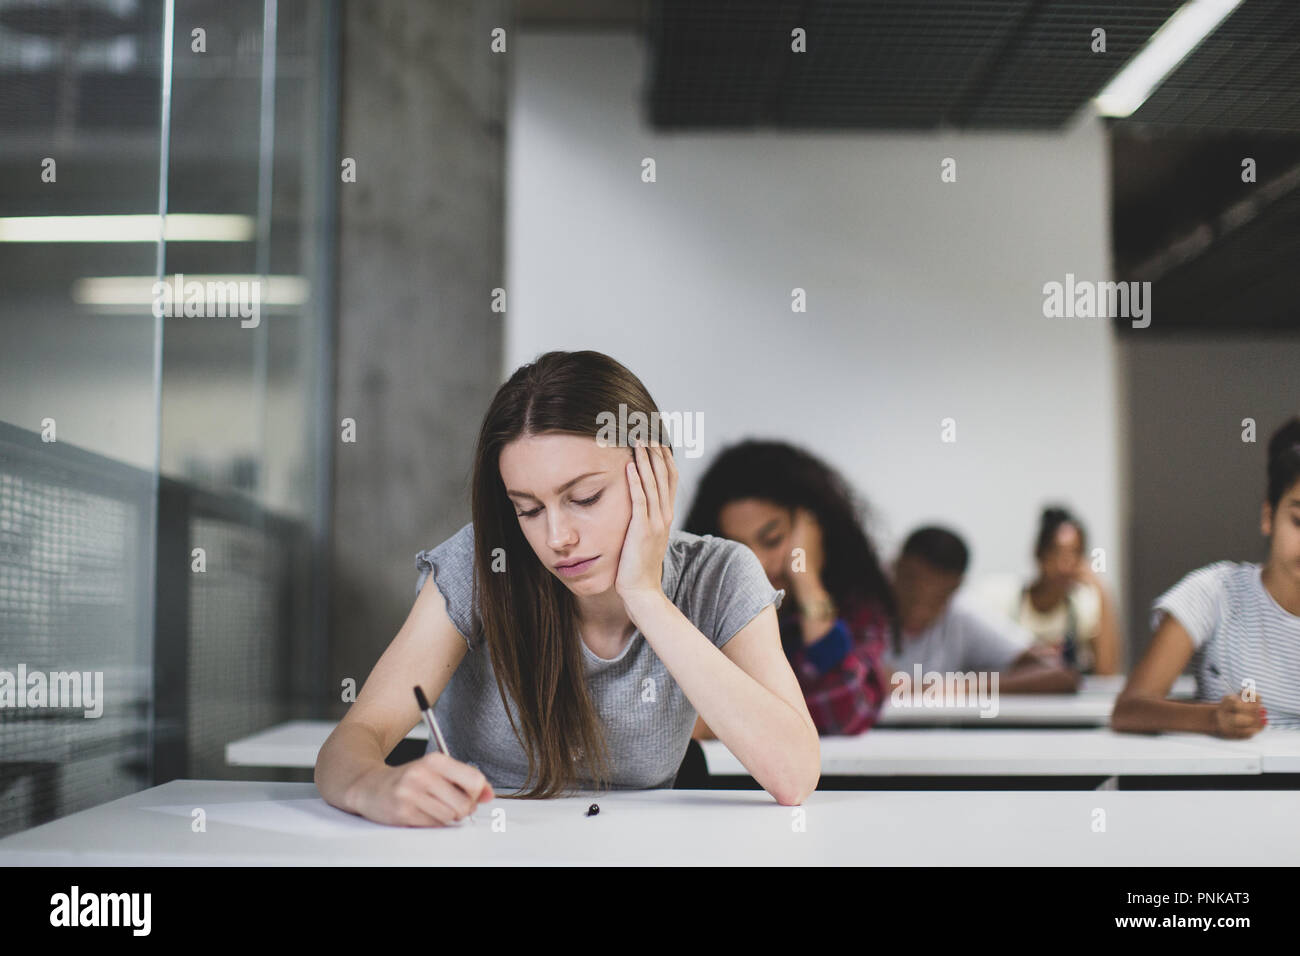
(806, 526)
(1067, 609)
(1237, 622)
(940, 634)
(567, 636)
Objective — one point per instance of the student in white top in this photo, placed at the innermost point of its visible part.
(1238, 623)
(1066, 607)
(942, 635)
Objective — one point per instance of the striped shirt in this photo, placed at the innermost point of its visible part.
(1242, 636)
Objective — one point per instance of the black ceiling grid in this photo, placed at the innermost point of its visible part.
(888, 64)
(1051, 72)
(1245, 76)
(714, 64)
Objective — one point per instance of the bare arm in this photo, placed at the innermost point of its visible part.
(746, 692)
(1028, 674)
(1106, 645)
(427, 651)
(1143, 705)
(701, 731)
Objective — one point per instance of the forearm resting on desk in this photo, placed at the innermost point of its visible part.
(776, 742)
(349, 753)
(1138, 714)
(1033, 677)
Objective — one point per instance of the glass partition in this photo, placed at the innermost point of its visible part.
(161, 387)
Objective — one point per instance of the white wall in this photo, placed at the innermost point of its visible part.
(924, 298)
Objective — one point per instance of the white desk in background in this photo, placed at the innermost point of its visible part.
(1018, 710)
(292, 744)
(1090, 707)
(258, 823)
(926, 751)
(1034, 753)
(297, 742)
(1112, 684)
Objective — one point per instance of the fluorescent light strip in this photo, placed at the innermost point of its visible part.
(1169, 46)
(181, 227)
(138, 290)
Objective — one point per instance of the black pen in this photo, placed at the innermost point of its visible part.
(432, 721)
(434, 732)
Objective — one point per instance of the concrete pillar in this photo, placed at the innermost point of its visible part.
(421, 247)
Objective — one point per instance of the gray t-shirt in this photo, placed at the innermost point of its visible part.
(718, 584)
(960, 640)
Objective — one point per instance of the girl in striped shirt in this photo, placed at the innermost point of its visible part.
(1239, 625)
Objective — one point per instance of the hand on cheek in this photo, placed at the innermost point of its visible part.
(652, 486)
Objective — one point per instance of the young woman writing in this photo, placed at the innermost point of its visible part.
(572, 637)
(1238, 623)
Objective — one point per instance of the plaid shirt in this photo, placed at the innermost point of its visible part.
(842, 674)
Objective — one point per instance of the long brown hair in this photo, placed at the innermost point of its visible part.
(529, 618)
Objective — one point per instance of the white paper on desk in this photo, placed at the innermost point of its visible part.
(309, 816)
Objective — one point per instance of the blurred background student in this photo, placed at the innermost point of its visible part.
(1237, 622)
(941, 634)
(806, 525)
(1066, 608)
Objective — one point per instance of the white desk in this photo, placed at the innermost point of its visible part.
(297, 742)
(1037, 753)
(292, 744)
(1090, 707)
(1112, 684)
(927, 752)
(1278, 750)
(1018, 710)
(288, 824)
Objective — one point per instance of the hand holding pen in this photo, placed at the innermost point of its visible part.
(435, 735)
(435, 790)
(1236, 717)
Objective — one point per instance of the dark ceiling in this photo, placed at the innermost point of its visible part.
(992, 64)
(1244, 77)
(889, 64)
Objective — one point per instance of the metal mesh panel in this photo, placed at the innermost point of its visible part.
(1049, 70)
(236, 661)
(1245, 76)
(893, 65)
(73, 573)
